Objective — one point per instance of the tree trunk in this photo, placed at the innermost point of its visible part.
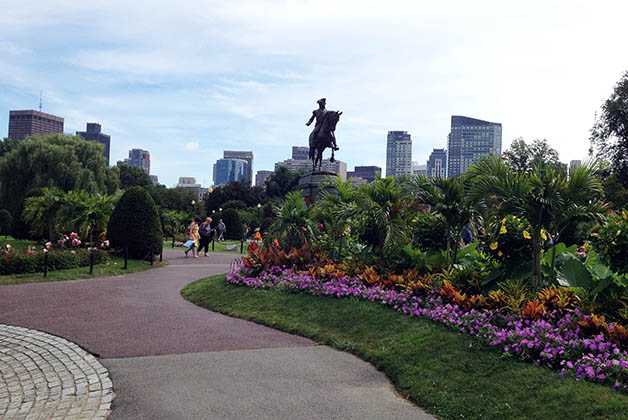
(552, 271)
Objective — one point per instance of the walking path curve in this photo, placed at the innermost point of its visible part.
(173, 360)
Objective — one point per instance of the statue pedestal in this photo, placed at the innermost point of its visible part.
(311, 184)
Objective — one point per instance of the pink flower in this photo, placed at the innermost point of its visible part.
(72, 252)
(48, 245)
(76, 241)
(8, 247)
(73, 235)
(45, 251)
(106, 243)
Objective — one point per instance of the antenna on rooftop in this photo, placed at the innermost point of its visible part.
(41, 94)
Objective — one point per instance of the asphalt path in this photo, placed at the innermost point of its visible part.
(170, 359)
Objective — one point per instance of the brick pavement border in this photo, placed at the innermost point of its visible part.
(47, 377)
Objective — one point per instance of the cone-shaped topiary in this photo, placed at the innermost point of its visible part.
(232, 221)
(135, 223)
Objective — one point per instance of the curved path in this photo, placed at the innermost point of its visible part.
(173, 360)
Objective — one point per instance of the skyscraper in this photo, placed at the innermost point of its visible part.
(139, 158)
(367, 173)
(300, 153)
(230, 170)
(26, 123)
(469, 141)
(398, 154)
(437, 164)
(261, 177)
(248, 156)
(93, 133)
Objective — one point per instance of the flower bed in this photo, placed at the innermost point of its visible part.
(32, 261)
(560, 341)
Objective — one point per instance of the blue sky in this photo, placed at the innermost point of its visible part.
(189, 79)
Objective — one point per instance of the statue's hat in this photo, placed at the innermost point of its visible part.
(321, 100)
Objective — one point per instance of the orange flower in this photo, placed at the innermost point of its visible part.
(304, 228)
(276, 242)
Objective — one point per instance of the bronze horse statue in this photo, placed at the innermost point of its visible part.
(323, 138)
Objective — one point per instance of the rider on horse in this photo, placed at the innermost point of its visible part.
(319, 115)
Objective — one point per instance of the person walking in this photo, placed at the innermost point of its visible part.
(221, 230)
(193, 236)
(206, 232)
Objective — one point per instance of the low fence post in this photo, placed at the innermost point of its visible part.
(152, 257)
(161, 254)
(213, 241)
(91, 261)
(173, 240)
(126, 256)
(45, 264)
(241, 246)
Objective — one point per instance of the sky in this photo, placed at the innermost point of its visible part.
(186, 80)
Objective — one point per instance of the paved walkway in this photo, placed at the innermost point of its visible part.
(153, 340)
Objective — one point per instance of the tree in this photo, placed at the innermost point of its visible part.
(131, 176)
(447, 197)
(281, 182)
(610, 131)
(135, 224)
(234, 191)
(546, 198)
(86, 214)
(5, 222)
(231, 219)
(523, 157)
(327, 208)
(380, 209)
(53, 161)
(41, 211)
(291, 226)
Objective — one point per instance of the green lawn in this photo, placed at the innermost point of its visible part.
(218, 246)
(17, 244)
(428, 363)
(115, 267)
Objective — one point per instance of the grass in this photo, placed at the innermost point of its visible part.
(218, 246)
(428, 363)
(17, 244)
(113, 268)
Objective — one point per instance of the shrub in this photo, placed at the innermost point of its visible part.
(31, 261)
(611, 241)
(135, 223)
(508, 240)
(427, 230)
(234, 204)
(5, 222)
(231, 219)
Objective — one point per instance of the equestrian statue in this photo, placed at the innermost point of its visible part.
(323, 135)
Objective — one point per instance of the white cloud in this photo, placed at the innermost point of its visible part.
(191, 146)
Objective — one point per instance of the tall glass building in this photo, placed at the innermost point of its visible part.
(230, 170)
(470, 140)
(398, 154)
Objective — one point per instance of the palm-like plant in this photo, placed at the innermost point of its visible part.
(546, 198)
(328, 206)
(382, 208)
(291, 227)
(41, 211)
(84, 213)
(447, 197)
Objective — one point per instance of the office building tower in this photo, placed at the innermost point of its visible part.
(300, 153)
(230, 170)
(188, 183)
(244, 155)
(398, 154)
(138, 158)
(154, 179)
(337, 167)
(418, 169)
(261, 177)
(368, 173)
(573, 165)
(26, 123)
(93, 133)
(470, 140)
(437, 164)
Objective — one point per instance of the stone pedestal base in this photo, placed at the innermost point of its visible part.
(311, 184)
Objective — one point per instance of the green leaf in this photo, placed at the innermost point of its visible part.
(573, 273)
(601, 271)
(494, 275)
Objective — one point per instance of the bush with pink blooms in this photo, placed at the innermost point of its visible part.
(559, 340)
(66, 254)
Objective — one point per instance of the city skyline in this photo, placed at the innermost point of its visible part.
(215, 77)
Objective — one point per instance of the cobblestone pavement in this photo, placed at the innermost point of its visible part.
(47, 377)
